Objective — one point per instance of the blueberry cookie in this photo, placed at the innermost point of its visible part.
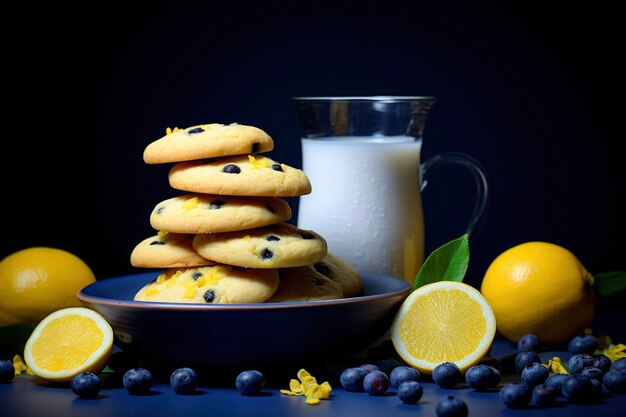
(244, 175)
(278, 246)
(304, 283)
(217, 284)
(207, 141)
(167, 250)
(206, 213)
(340, 271)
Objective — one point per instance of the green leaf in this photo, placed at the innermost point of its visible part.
(610, 282)
(446, 263)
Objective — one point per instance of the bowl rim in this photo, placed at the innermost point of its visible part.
(89, 299)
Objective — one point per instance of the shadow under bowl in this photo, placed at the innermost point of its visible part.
(255, 334)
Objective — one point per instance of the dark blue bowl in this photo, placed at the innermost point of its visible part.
(235, 335)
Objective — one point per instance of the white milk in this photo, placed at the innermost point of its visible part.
(366, 201)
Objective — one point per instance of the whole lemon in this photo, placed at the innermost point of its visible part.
(36, 281)
(541, 288)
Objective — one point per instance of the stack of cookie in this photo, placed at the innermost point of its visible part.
(226, 239)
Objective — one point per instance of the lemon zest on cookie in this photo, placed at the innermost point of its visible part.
(162, 234)
(258, 163)
(190, 204)
(169, 130)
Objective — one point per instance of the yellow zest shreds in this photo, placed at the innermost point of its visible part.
(556, 366)
(190, 204)
(169, 130)
(20, 366)
(307, 385)
(258, 163)
(614, 352)
(162, 234)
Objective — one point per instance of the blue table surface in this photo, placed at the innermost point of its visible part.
(30, 397)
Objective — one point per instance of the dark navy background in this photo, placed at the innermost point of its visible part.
(533, 92)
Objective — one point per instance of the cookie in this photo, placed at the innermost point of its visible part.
(207, 141)
(304, 283)
(278, 246)
(167, 250)
(206, 213)
(340, 271)
(243, 175)
(217, 284)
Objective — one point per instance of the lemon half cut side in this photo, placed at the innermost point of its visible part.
(67, 342)
(446, 321)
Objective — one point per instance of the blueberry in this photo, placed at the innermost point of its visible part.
(544, 395)
(376, 382)
(506, 363)
(195, 131)
(578, 362)
(619, 364)
(137, 381)
(615, 380)
(250, 382)
(272, 238)
(447, 375)
(231, 169)
(387, 365)
(323, 269)
(255, 147)
(482, 377)
(582, 344)
(525, 358)
(593, 373)
(86, 385)
(184, 381)
(596, 391)
(535, 374)
(266, 254)
(209, 296)
(515, 395)
(401, 374)
(277, 167)
(452, 407)
(7, 371)
(490, 361)
(216, 204)
(556, 381)
(351, 379)
(410, 392)
(577, 388)
(528, 342)
(370, 367)
(602, 362)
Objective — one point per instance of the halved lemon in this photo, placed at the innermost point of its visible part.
(67, 342)
(445, 321)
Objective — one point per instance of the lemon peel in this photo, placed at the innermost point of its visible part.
(615, 352)
(307, 385)
(20, 366)
(555, 365)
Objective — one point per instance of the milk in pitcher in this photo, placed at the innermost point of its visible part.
(365, 201)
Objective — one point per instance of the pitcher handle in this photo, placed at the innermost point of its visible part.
(477, 171)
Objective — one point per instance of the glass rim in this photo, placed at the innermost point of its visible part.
(364, 98)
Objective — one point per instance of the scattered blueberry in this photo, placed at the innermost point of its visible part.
(515, 395)
(582, 344)
(544, 395)
(351, 379)
(578, 362)
(7, 371)
(602, 362)
(410, 392)
(482, 377)
(184, 381)
(387, 365)
(376, 382)
(577, 388)
(137, 381)
(619, 364)
(615, 380)
(452, 407)
(534, 374)
(528, 342)
(556, 381)
(86, 385)
(525, 358)
(593, 373)
(231, 169)
(370, 367)
(447, 375)
(401, 374)
(506, 363)
(250, 382)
